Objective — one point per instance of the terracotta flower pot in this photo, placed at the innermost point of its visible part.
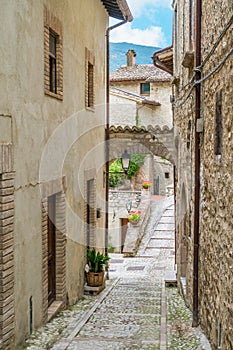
(134, 223)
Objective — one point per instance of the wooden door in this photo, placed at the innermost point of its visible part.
(124, 226)
(51, 249)
(90, 214)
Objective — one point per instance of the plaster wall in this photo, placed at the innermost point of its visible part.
(123, 110)
(51, 137)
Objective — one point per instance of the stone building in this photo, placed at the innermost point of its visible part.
(203, 109)
(139, 101)
(140, 95)
(52, 156)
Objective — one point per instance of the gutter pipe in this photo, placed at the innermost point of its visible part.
(197, 163)
(107, 142)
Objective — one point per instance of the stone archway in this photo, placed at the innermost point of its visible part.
(151, 140)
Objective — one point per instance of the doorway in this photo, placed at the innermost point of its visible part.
(51, 249)
(124, 226)
(90, 214)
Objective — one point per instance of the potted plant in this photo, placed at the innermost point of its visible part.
(146, 184)
(95, 267)
(134, 216)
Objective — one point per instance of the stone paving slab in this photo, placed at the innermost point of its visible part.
(134, 312)
(161, 243)
(163, 234)
(167, 219)
(165, 227)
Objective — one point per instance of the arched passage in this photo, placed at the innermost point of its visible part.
(151, 140)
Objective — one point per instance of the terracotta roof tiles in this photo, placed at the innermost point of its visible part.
(145, 72)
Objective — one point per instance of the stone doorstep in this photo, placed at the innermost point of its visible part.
(54, 309)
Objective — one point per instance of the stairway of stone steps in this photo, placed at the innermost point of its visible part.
(159, 234)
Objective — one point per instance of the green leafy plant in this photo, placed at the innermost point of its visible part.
(115, 168)
(96, 260)
(136, 161)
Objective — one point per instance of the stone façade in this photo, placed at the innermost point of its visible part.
(215, 261)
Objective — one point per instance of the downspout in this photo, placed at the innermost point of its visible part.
(107, 143)
(197, 162)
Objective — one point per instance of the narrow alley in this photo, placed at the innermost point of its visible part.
(135, 310)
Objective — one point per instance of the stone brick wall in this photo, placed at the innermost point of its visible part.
(216, 234)
(216, 230)
(7, 311)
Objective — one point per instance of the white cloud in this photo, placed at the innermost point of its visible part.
(152, 36)
(138, 7)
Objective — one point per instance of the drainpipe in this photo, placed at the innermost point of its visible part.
(197, 162)
(107, 142)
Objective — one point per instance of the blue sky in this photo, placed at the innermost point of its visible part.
(152, 24)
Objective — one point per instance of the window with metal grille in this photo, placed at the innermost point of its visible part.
(52, 62)
(218, 123)
(145, 88)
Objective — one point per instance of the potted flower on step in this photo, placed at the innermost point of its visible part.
(134, 217)
(146, 184)
(96, 266)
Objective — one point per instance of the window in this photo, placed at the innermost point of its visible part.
(167, 175)
(191, 23)
(90, 80)
(145, 89)
(218, 124)
(53, 61)
(90, 85)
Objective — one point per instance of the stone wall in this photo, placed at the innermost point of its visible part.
(118, 211)
(216, 230)
(216, 175)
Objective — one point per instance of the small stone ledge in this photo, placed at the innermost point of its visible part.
(54, 309)
(93, 290)
(170, 278)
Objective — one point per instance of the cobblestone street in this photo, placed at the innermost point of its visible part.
(135, 311)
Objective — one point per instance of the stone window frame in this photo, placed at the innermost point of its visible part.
(54, 187)
(52, 25)
(89, 80)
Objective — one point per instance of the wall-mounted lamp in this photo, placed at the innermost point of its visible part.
(125, 161)
(128, 205)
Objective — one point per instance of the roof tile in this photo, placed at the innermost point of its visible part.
(145, 72)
